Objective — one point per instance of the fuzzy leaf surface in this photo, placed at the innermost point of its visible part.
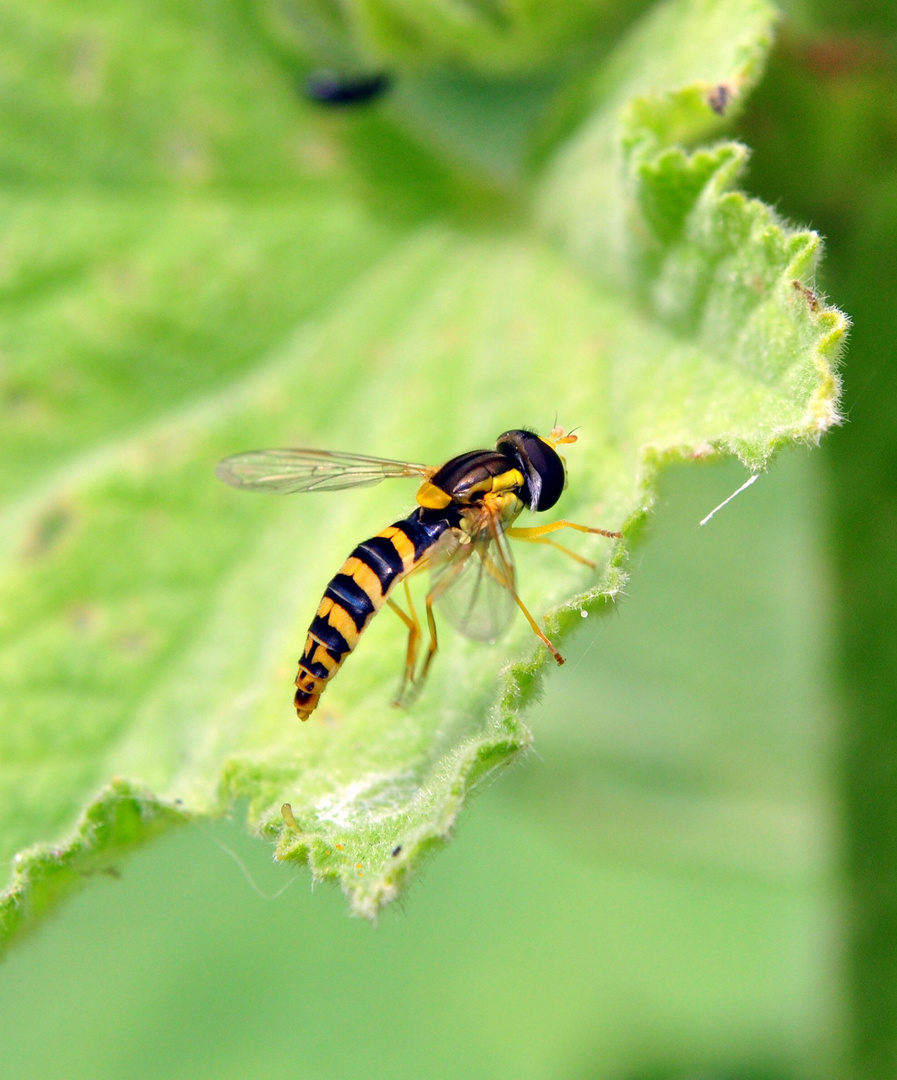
(296, 278)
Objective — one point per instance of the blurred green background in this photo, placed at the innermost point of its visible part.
(698, 881)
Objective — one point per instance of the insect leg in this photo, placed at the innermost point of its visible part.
(507, 573)
(538, 630)
(434, 643)
(413, 684)
(541, 530)
(438, 589)
(414, 635)
(416, 682)
(552, 543)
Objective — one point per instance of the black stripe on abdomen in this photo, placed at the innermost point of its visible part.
(379, 553)
(422, 538)
(332, 640)
(350, 596)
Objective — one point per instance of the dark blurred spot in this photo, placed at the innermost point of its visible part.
(48, 531)
(808, 295)
(331, 88)
(109, 871)
(719, 98)
(396, 850)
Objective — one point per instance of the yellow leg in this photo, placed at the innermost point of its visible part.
(537, 535)
(541, 530)
(434, 643)
(417, 681)
(414, 635)
(507, 576)
(554, 544)
(538, 630)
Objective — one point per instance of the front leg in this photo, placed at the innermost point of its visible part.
(541, 530)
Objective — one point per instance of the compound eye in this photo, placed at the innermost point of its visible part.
(548, 464)
(542, 466)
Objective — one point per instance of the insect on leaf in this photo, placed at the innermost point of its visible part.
(234, 269)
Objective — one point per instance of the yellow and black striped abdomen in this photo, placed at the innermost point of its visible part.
(356, 594)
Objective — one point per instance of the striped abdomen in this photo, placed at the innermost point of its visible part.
(356, 594)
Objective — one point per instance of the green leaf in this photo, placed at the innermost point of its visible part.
(322, 281)
(488, 36)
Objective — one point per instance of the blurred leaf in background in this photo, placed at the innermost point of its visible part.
(826, 135)
(479, 37)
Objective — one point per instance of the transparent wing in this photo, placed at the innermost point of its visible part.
(285, 471)
(474, 583)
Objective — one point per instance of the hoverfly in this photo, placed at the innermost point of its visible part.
(465, 513)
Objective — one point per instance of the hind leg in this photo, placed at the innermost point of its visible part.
(537, 535)
(414, 636)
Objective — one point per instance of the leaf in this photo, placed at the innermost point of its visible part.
(151, 617)
(489, 36)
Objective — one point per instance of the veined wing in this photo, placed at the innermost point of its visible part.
(285, 471)
(474, 583)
